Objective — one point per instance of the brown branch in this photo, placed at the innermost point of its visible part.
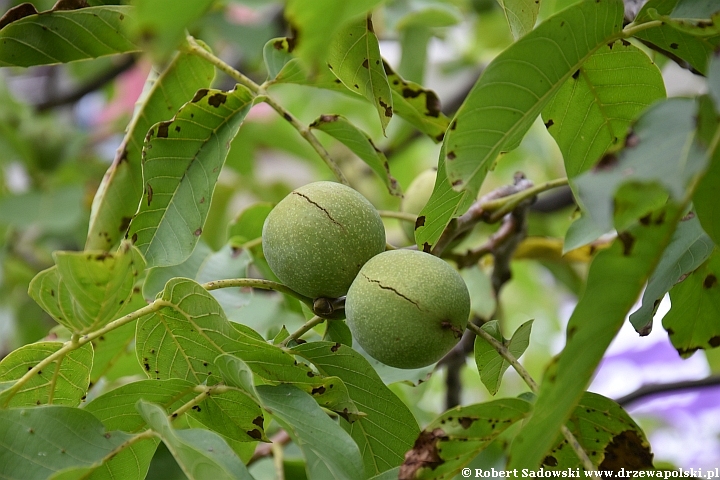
(96, 83)
(661, 388)
(265, 449)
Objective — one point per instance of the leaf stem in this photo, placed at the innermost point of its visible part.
(306, 327)
(501, 349)
(196, 49)
(631, 29)
(257, 283)
(76, 343)
(404, 216)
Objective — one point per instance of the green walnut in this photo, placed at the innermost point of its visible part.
(407, 308)
(416, 196)
(319, 236)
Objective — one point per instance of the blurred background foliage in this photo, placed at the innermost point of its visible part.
(60, 126)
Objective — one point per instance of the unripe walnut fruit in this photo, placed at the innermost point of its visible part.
(416, 196)
(407, 308)
(319, 236)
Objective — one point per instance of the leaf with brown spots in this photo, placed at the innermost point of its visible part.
(693, 316)
(608, 435)
(181, 169)
(454, 438)
(361, 145)
(352, 47)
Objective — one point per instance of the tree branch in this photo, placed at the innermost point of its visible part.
(652, 389)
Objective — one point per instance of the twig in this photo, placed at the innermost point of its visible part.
(527, 378)
(265, 449)
(306, 327)
(94, 84)
(404, 216)
(257, 283)
(196, 49)
(660, 388)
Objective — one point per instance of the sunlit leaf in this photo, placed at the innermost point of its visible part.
(361, 144)
(692, 320)
(36, 442)
(354, 57)
(388, 429)
(454, 438)
(62, 382)
(611, 439)
(316, 21)
(200, 453)
(329, 450)
(444, 204)
(520, 15)
(489, 362)
(65, 35)
(519, 82)
(182, 159)
(121, 189)
(689, 248)
(592, 111)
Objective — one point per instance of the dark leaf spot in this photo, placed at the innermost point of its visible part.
(217, 99)
(627, 450)
(674, 46)
(258, 421)
(646, 219)
(335, 347)
(714, 341)
(149, 193)
(147, 367)
(134, 238)
(607, 162)
(710, 281)
(426, 247)
(451, 155)
(628, 241)
(388, 109)
(318, 391)
(310, 374)
(466, 422)
(287, 116)
(199, 95)
(124, 223)
(255, 433)
(177, 128)
(576, 74)
(549, 123)
(163, 129)
(424, 454)
(198, 232)
(16, 13)
(550, 461)
(366, 64)
(370, 24)
(420, 222)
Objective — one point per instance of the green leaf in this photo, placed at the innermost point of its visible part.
(699, 25)
(692, 320)
(417, 105)
(444, 204)
(615, 280)
(489, 362)
(248, 224)
(592, 111)
(276, 53)
(316, 22)
(182, 339)
(361, 145)
(181, 163)
(54, 211)
(663, 153)
(454, 438)
(705, 199)
(354, 57)
(62, 382)
(84, 291)
(689, 248)
(200, 453)
(36, 442)
(695, 9)
(521, 15)
(388, 429)
(157, 277)
(519, 82)
(681, 47)
(161, 24)
(121, 189)
(607, 434)
(65, 35)
(329, 450)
